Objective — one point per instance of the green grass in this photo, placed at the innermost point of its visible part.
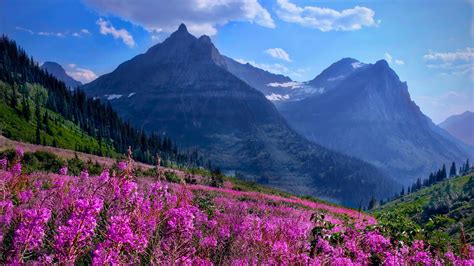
(64, 133)
(437, 213)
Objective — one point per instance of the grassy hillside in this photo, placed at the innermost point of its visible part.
(439, 213)
(55, 130)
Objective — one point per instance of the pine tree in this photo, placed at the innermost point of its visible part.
(26, 112)
(372, 203)
(38, 135)
(452, 170)
(403, 191)
(443, 173)
(13, 99)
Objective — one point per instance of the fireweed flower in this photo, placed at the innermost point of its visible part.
(16, 170)
(19, 152)
(122, 166)
(30, 232)
(3, 163)
(112, 220)
(63, 170)
(74, 236)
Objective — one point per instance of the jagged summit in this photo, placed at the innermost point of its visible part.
(182, 28)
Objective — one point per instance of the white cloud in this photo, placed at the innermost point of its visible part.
(326, 19)
(82, 32)
(107, 28)
(391, 60)
(24, 29)
(465, 55)
(79, 33)
(278, 53)
(459, 62)
(81, 74)
(200, 16)
(45, 33)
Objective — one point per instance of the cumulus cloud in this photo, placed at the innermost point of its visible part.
(107, 28)
(200, 16)
(326, 19)
(459, 62)
(391, 60)
(278, 53)
(81, 74)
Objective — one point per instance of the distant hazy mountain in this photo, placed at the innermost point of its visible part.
(58, 71)
(366, 111)
(460, 126)
(182, 87)
(275, 87)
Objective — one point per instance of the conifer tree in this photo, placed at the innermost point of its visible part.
(452, 170)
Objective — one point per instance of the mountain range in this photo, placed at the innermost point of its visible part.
(58, 72)
(460, 126)
(185, 88)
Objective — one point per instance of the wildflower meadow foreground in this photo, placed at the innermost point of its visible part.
(116, 218)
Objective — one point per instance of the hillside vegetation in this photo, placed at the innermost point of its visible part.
(442, 213)
(116, 217)
(41, 125)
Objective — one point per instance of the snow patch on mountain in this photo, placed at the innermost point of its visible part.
(336, 78)
(131, 94)
(113, 96)
(277, 97)
(290, 85)
(356, 65)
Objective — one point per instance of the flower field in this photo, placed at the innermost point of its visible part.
(115, 218)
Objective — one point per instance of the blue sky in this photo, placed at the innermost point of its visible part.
(428, 43)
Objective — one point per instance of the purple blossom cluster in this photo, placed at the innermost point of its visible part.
(119, 219)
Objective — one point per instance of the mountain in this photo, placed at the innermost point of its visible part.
(460, 126)
(58, 71)
(369, 114)
(182, 87)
